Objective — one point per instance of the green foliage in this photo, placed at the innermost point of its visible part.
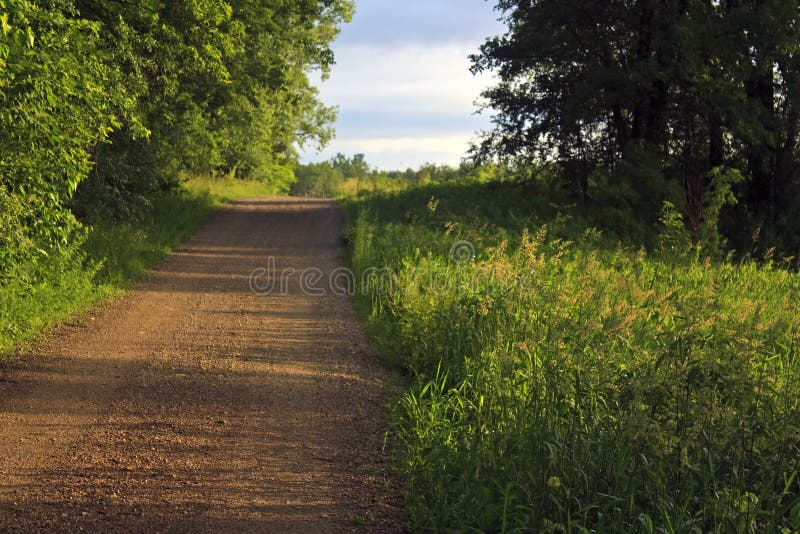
(561, 382)
(56, 102)
(697, 85)
(722, 181)
(345, 177)
(317, 180)
(222, 87)
(673, 239)
(355, 167)
(630, 196)
(224, 190)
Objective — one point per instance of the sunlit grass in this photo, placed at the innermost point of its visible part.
(560, 382)
(357, 186)
(225, 189)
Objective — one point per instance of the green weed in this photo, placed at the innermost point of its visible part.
(563, 381)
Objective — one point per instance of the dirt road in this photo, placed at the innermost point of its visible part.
(193, 404)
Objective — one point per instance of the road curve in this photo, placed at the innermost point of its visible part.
(193, 404)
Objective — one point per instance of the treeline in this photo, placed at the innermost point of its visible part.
(637, 103)
(106, 103)
(343, 175)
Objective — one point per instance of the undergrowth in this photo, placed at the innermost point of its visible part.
(562, 379)
(106, 257)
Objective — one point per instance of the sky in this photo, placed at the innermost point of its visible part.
(402, 82)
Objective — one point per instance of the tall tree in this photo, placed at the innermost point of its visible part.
(106, 102)
(59, 97)
(685, 87)
(223, 88)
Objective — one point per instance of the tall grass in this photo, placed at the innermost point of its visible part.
(106, 258)
(223, 189)
(561, 382)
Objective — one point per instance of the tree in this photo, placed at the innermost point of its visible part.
(222, 87)
(682, 87)
(106, 103)
(355, 167)
(317, 180)
(59, 97)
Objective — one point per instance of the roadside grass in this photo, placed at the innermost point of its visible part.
(111, 255)
(226, 189)
(565, 380)
(351, 187)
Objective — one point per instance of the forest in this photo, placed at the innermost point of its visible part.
(105, 104)
(640, 103)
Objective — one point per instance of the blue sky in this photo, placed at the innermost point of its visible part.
(402, 81)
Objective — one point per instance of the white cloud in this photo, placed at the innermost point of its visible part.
(402, 81)
(409, 78)
(436, 144)
(404, 105)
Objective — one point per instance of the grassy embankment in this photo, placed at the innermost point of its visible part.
(112, 256)
(563, 382)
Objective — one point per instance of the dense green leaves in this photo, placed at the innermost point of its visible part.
(699, 85)
(56, 103)
(223, 86)
(105, 103)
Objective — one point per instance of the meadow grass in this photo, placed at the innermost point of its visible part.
(222, 189)
(110, 255)
(565, 380)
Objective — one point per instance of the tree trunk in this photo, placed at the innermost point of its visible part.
(620, 127)
(761, 154)
(716, 148)
(656, 113)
